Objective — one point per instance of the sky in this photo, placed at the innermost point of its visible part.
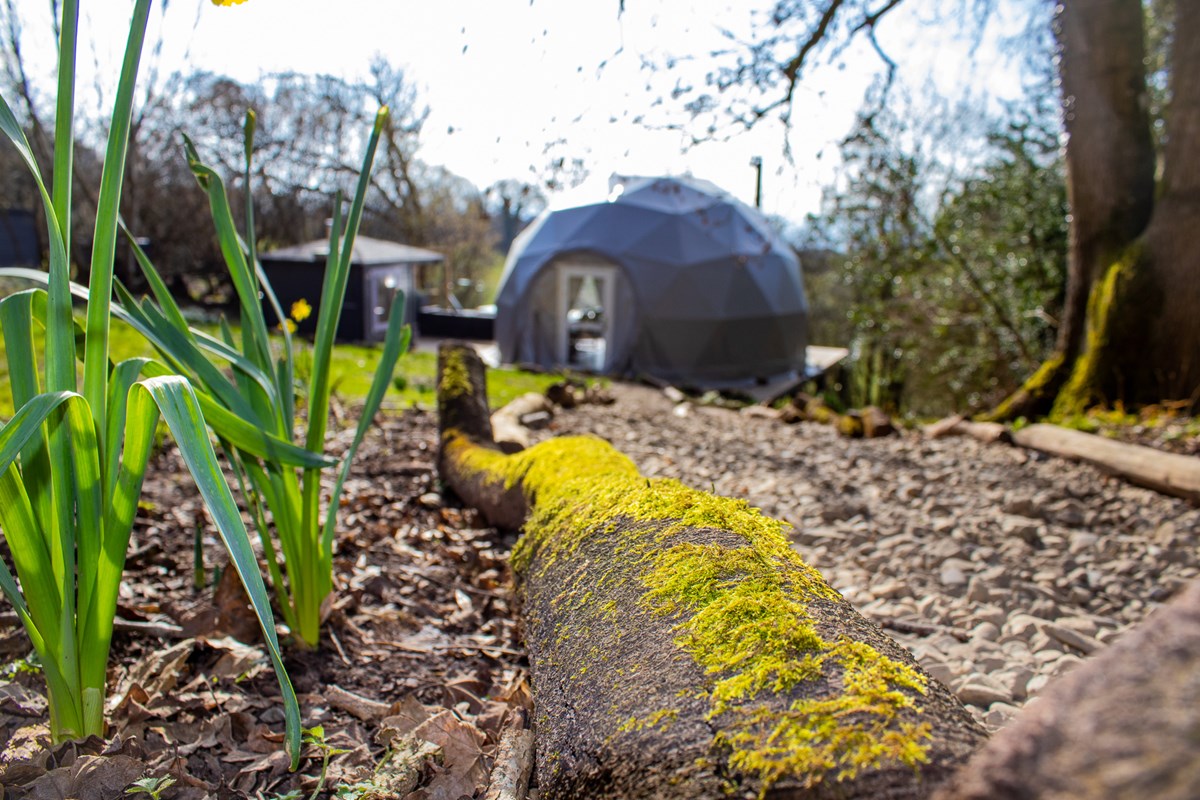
(512, 83)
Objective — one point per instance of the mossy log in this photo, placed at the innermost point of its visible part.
(1122, 726)
(679, 646)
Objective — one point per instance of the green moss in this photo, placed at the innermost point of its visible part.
(456, 378)
(823, 414)
(578, 484)
(741, 610)
(659, 719)
(746, 623)
(1038, 385)
(1082, 388)
(850, 426)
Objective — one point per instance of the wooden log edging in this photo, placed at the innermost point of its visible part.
(679, 647)
(1167, 473)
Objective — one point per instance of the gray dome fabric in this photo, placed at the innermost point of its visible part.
(703, 293)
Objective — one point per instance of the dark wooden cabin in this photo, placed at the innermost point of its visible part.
(378, 270)
(18, 239)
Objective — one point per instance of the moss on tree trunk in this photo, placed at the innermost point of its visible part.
(1110, 308)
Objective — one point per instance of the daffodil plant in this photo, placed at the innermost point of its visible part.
(297, 538)
(72, 461)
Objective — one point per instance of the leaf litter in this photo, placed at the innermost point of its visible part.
(421, 668)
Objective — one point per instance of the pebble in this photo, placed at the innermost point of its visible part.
(1027, 530)
(978, 591)
(890, 589)
(1072, 638)
(1023, 626)
(1037, 683)
(978, 691)
(990, 613)
(952, 577)
(1047, 656)
(998, 714)
(939, 671)
(1036, 562)
(1066, 663)
(1015, 680)
(985, 631)
(430, 500)
(1081, 542)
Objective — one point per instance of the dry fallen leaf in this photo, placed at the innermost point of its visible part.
(21, 701)
(461, 744)
(235, 616)
(156, 674)
(25, 755)
(87, 778)
(406, 715)
(238, 661)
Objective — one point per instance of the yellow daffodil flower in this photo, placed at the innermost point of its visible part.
(227, 2)
(301, 310)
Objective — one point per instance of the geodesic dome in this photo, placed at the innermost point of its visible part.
(671, 278)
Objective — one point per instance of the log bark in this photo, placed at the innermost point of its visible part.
(514, 765)
(1122, 726)
(1169, 473)
(679, 648)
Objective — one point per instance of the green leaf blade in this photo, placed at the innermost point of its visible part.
(181, 410)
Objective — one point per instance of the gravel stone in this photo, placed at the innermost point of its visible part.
(1027, 530)
(978, 591)
(977, 691)
(998, 714)
(952, 577)
(985, 631)
(1072, 638)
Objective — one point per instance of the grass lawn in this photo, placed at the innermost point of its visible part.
(353, 368)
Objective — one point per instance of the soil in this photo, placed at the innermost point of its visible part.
(420, 668)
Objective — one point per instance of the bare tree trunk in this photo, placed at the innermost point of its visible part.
(679, 647)
(1110, 170)
(1172, 241)
(1130, 330)
(1110, 152)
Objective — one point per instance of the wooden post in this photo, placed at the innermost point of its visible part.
(679, 646)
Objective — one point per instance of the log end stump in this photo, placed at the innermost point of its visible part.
(679, 646)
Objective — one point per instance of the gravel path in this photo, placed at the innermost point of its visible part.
(998, 568)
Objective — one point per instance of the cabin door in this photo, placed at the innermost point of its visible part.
(586, 293)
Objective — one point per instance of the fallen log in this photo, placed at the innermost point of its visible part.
(679, 647)
(986, 432)
(1169, 473)
(1122, 726)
